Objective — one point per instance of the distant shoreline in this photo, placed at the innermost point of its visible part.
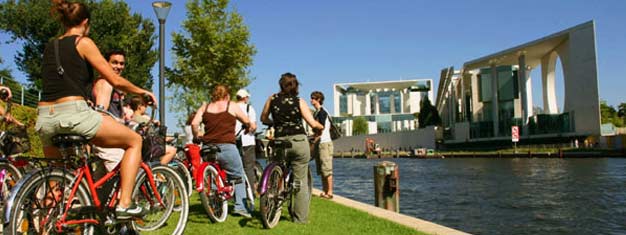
(490, 154)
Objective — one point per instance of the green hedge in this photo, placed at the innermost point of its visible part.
(28, 116)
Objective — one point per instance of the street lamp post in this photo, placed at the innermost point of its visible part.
(161, 8)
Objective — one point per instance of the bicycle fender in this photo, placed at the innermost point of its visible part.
(20, 184)
(197, 175)
(265, 177)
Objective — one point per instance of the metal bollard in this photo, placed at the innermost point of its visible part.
(386, 186)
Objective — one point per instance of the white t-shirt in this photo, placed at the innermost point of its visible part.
(188, 135)
(246, 139)
(326, 132)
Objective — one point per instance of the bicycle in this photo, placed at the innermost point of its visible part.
(13, 142)
(277, 185)
(211, 181)
(59, 200)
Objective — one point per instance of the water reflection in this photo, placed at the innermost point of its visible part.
(501, 196)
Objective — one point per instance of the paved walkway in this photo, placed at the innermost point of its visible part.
(411, 222)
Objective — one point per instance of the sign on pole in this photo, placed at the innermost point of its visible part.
(515, 133)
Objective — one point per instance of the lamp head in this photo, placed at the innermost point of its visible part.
(161, 8)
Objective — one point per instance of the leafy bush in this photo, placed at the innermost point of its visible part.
(28, 116)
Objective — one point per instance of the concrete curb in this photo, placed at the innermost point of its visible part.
(411, 222)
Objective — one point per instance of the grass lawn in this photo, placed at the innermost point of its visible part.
(325, 217)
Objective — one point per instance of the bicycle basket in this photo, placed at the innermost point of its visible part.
(153, 143)
(15, 140)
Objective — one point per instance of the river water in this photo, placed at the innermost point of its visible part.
(501, 196)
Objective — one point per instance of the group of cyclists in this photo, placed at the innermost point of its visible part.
(73, 102)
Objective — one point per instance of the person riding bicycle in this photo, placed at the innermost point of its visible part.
(219, 118)
(110, 100)
(67, 69)
(288, 110)
(139, 116)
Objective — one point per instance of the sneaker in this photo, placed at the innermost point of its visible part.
(127, 213)
(242, 213)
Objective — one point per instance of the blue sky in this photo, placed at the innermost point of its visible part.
(325, 42)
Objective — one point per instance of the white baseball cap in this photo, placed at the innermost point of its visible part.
(243, 93)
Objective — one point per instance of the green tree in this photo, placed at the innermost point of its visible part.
(359, 126)
(621, 110)
(608, 114)
(428, 114)
(112, 27)
(212, 49)
(4, 72)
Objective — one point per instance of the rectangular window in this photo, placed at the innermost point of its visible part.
(343, 104)
(385, 103)
(484, 81)
(397, 103)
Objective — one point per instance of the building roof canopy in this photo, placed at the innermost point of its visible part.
(533, 50)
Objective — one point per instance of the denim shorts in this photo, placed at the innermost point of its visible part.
(71, 117)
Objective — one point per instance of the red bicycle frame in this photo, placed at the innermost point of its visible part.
(84, 172)
(192, 151)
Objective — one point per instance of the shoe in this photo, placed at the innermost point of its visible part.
(242, 214)
(127, 213)
(326, 196)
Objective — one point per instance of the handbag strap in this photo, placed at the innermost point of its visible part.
(328, 116)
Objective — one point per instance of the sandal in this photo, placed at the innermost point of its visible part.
(326, 196)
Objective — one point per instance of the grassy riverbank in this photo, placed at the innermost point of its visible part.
(325, 217)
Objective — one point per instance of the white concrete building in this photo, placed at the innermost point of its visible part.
(387, 106)
(476, 107)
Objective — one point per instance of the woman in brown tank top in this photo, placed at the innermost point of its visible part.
(219, 118)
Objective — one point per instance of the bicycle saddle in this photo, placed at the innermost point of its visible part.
(210, 149)
(68, 140)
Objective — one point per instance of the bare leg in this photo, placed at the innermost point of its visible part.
(329, 185)
(115, 135)
(170, 152)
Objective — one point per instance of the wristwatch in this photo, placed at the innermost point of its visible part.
(99, 108)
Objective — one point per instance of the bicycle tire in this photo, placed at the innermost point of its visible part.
(214, 204)
(184, 174)
(9, 175)
(249, 202)
(31, 189)
(270, 201)
(172, 191)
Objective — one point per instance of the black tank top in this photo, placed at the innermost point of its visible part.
(285, 110)
(78, 77)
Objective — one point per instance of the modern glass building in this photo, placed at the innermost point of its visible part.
(386, 106)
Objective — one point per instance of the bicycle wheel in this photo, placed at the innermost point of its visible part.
(39, 202)
(214, 204)
(9, 175)
(172, 191)
(249, 202)
(184, 174)
(271, 200)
